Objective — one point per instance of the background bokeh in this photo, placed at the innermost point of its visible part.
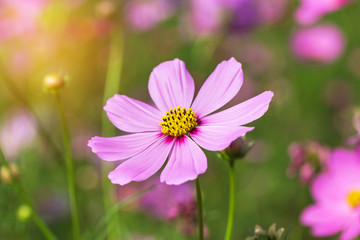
(315, 80)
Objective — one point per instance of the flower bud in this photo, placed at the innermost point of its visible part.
(237, 150)
(54, 82)
(271, 234)
(307, 159)
(23, 213)
(5, 175)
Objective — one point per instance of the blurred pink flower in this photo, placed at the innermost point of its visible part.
(322, 43)
(178, 125)
(166, 201)
(337, 197)
(143, 15)
(19, 17)
(307, 160)
(206, 15)
(17, 131)
(311, 11)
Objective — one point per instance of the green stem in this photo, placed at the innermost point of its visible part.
(70, 170)
(200, 210)
(24, 197)
(112, 85)
(230, 222)
(42, 129)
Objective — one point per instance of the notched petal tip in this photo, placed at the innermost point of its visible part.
(178, 181)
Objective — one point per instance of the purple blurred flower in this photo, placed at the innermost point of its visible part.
(243, 15)
(322, 43)
(19, 17)
(17, 131)
(307, 160)
(143, 15)
(247, 14)
(337, 197)
(167, 201)
(311, 11)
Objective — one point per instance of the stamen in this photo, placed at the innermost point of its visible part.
(354, 198)
(178, 121)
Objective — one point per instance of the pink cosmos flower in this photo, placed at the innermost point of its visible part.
(177, 126)
(312, 10)
(144, 15)
(18, 17)
(206, 15)
(17, 131)
(307, 159)
(166, 201)
(337, 197)
(322, 43)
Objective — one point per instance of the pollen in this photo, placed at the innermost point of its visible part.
(178, 121)
(353, 198)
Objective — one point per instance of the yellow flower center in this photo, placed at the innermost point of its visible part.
(354, 198)
(178, 121)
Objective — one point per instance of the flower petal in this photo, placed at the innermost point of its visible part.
(171, 85)
(217, 138)
(122, 147)
(324, 221)
(144, 164)
(131, 115)
(242, 113)
(186, 162)
(352, 231)
(220, 87)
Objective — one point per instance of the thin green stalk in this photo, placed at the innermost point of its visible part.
(42, 129)
(112, 85)
(200, 209)
(48, 234)
(98, 233)
(70, 170)
(230, 222)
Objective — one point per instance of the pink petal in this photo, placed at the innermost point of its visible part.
(122, 147)
(344, 160)
(144, 164)
(131, 115)
(323, 192)
(186, 162)
(220, 87)
(352, 231)
(217, 138)
(171, 85)
(324, 221)
(242, 113)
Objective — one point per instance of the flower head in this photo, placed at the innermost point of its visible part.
(337, 197)
(178, 126)
(307, 160)
(18, 17)
(144, 15)
(271, 234)
(310, 11)
(167, 201)
(322, 43)
(17, 131)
